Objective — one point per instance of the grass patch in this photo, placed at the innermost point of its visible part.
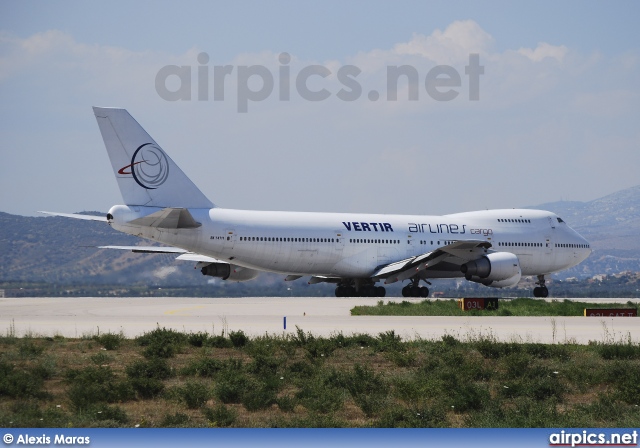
(507, 307)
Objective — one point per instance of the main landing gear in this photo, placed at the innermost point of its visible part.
(370, 290)
(414, 290)
(540, 290)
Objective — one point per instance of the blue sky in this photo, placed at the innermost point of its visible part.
(556, 119)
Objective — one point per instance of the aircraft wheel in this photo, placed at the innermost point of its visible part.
(415, 291)
(406, 291)
(338, 291)
(536, 291)
(380, 291)
(544, 292)
(424, 292)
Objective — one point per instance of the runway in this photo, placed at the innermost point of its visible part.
(78, 317)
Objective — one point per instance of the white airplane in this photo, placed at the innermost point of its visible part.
(352, 250)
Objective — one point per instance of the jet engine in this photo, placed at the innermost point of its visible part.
(229, 272)
(498, 270)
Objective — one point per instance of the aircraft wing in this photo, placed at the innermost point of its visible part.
(407, 268)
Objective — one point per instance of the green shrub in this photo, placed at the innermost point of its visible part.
(145, 376)
(20, 383)
(450, 341)
(147, 387)
(359, 380)
(301, 338)
(221, 415)
(301, 369)
(163, 336)
(313, 420)
(319, 348)
(319, 396)
(27, 349)
(537, 388)
(408, 387)
(205, 367)
(402, 359)
(389, 341)
(619, 351)
(467, 396)
(258, 395)
(413, 417)
(238, 338)
(100, 358)
(113, 413)
(219, 342)
(174, 420)
(194, 394)
(360, 340)
(45, 369)
(154, 368)
(161, 343)
(372, 404)
(627, 383)
(264, 365)
(229, 388)
(27, 413)
(286, 403)
(198, 339)
(96, 385)
(110, 341)
(159, 350)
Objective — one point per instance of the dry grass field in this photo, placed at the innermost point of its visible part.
(169, 379)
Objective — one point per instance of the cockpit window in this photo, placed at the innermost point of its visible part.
(559, 219)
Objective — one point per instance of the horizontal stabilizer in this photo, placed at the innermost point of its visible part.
(185, 255)
(168, 218)
(77, 216)
(148, 249)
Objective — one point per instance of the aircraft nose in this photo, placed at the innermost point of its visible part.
(585, 249)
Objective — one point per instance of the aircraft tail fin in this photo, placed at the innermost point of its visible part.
(146, 175)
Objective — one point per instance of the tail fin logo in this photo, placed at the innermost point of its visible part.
(149, 166)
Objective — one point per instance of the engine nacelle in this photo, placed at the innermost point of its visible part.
(512, 281)
(229, 272)
(497, 268)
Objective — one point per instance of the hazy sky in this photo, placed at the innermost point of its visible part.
(557, 115)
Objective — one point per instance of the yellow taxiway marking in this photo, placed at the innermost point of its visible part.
(183, 311)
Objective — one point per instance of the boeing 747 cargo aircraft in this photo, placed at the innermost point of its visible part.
(357, 252)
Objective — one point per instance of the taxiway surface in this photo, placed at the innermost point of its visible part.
(76, 317)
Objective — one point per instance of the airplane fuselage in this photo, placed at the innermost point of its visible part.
(354, 245)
